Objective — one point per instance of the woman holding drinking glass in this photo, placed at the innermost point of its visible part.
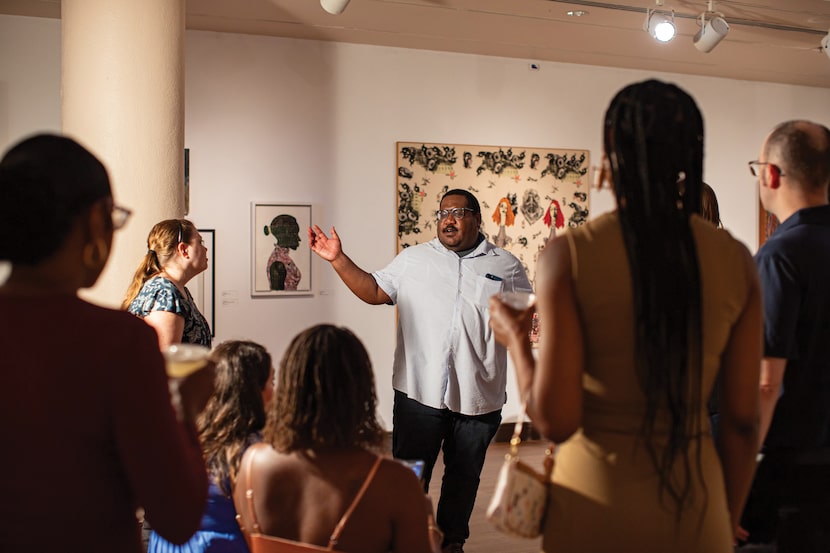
(85, 412)
(643, 308)
(158, 292)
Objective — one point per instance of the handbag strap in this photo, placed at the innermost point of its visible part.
(516, 439)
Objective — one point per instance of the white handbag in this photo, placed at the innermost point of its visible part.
(521, 496)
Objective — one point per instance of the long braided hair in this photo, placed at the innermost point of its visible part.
(654, 141)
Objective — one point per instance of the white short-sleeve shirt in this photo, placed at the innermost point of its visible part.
(446, 354)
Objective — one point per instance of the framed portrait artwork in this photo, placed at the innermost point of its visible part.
(280, 259)
(202, 286)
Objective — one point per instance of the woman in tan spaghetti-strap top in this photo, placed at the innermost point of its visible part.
(641, 309)
(316, 483)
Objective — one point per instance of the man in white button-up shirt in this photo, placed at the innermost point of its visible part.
(449, 374)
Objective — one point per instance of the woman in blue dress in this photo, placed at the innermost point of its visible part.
(157, 294)
(231, 421)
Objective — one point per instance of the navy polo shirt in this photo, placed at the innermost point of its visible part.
(794, 268)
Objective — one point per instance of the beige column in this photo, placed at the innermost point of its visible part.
(123, 98)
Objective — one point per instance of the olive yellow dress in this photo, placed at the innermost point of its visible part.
(606, 492)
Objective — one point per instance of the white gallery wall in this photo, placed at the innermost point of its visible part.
(304, 122)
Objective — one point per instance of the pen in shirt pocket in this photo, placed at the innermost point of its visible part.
(493, 277)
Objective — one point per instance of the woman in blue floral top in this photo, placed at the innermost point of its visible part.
(157, 294)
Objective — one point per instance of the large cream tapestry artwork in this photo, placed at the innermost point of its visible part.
(527, 195)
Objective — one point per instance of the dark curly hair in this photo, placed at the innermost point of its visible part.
(325, 394)
(235, 410)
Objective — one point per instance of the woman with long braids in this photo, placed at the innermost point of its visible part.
(642, 308)
(232, 420)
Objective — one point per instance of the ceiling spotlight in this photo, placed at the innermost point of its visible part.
(825, 44)
(711, 33)
(660, 26)
(334, 7)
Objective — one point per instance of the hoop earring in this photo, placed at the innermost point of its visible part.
(95, 254)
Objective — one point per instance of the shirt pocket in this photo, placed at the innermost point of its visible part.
(487, 288)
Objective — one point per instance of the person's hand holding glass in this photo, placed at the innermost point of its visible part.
(190, 376)
(511, 314)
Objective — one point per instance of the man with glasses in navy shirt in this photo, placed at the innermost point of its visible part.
(449, 373)
(789, 505)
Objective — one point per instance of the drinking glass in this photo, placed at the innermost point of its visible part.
(518, 299)
(184, 359)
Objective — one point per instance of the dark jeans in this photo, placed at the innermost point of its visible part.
(419, 432)
(789, 504)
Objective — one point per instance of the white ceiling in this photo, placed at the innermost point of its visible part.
(610, 34)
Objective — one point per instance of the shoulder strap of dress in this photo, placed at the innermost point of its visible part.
(249, 490)
(340, 525)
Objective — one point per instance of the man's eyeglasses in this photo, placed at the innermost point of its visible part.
(456, 212)
(120, 216)
(755, 168)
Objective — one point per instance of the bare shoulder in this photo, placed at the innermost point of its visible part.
(397, 483)
(396, 472)
(259, 452)
(262, 464)
(399, 492)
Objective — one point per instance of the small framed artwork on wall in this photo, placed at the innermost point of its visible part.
(280, 259)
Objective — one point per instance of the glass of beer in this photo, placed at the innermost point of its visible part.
(182, 360)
